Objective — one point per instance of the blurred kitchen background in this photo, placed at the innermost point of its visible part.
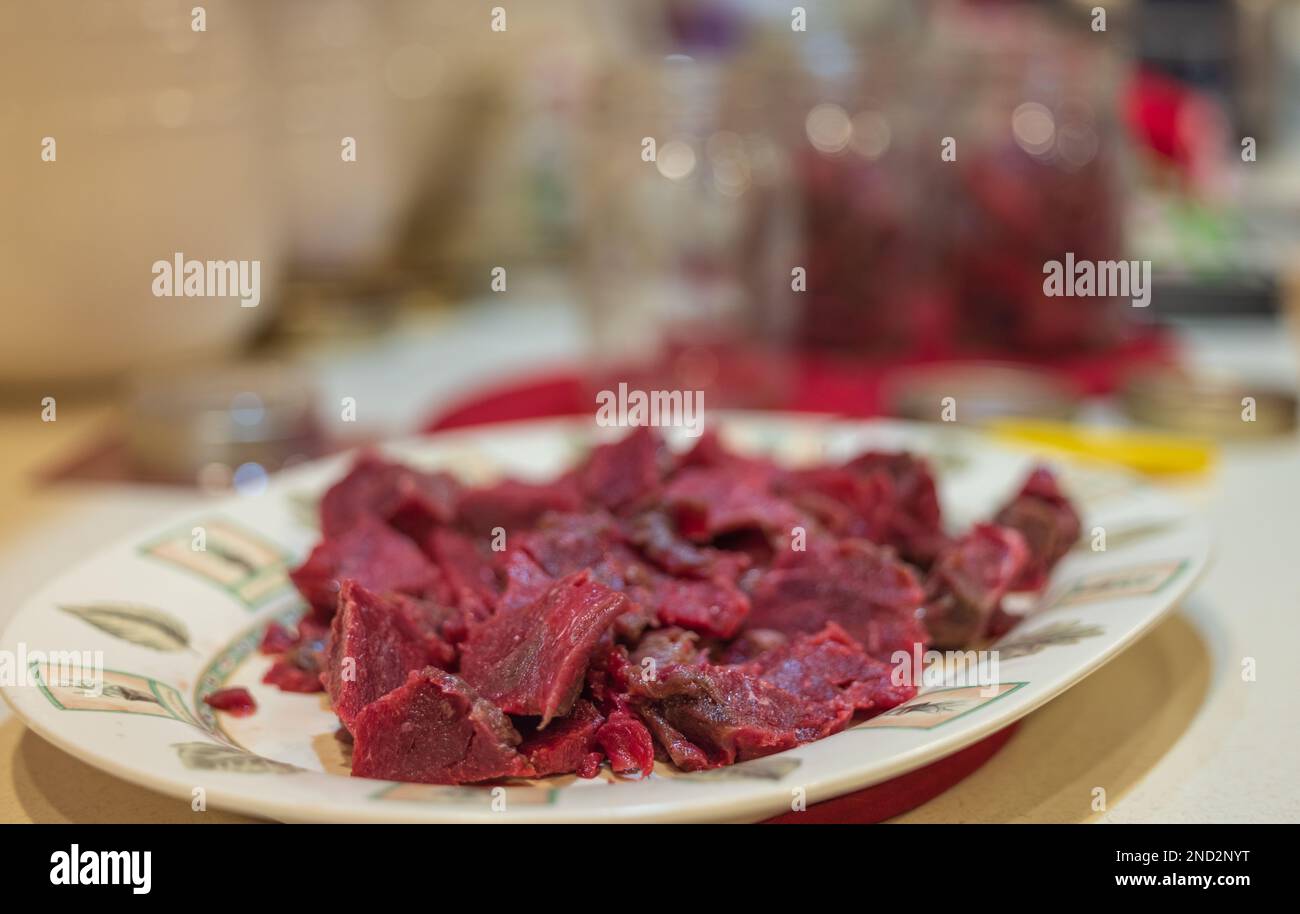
(503, 246)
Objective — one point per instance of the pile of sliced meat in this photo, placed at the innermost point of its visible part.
(700, 608)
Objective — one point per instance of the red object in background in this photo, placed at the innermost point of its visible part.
(819, 384)
(1154, 104)
(1183, 127)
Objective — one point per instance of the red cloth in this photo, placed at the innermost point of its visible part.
(817, 384)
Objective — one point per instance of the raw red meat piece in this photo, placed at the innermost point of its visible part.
(526, 582)
(711, 453)
(435, 729)
(470, 576)
(370, 552)
(666, 647)
(299, 655)
(427, 623)
(968, 582)
(235, 701)
(363, 492)
(706, 503)
(382, 490)
(828, 666)
(568, 745)
(681, 751)
(705, 717)
(565, 543)
(277, 639)
(633, 623)
(855, 583)
(913, 523)
(308, 643)
(422, 501)
(570, 542)
(532, 660)
(511, 504)
(312, 631)
(287, 676)
(385, 640)
(656, 538)
(1000, 623)
(624, 472)
(752, 643)
(912, 477)
(757, 549)
(715, 608)
(1047, 521)
(627, 744)
(608, 677)
(845, 502)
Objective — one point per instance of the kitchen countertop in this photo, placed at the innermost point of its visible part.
(1169, 729)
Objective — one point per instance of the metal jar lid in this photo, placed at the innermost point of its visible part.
(1210, 405)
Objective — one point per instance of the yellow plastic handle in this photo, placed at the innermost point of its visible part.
(1146, 452)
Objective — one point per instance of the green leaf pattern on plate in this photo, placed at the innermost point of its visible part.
(140, 625)
(214, 757)
(1048, 636)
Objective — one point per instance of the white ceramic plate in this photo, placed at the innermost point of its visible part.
(174, 623)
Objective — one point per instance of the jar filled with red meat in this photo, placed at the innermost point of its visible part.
(863, 180)
(1034, 177)
(941, 154)
(685, 266)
